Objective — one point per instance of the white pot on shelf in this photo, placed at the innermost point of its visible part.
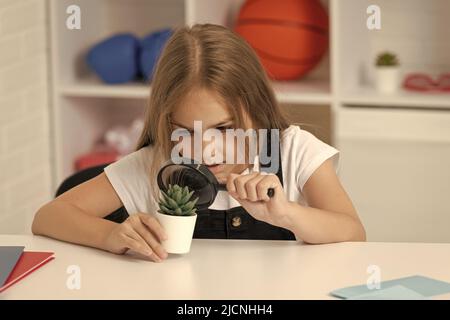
(179, 230)
(387, 79)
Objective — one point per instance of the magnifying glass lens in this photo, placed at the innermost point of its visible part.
(183, 175)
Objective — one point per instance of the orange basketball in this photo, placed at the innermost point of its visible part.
(289, 36)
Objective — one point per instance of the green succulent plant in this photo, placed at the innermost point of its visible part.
(177, 201)
(387, 59)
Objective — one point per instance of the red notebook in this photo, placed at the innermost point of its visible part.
(27, 263)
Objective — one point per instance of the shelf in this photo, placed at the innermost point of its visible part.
(403, 98)
(307, 92)
(91, 88)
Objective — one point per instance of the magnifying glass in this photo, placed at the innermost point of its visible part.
(197, 177)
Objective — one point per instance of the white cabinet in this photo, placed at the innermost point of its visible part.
(395, 149)
(396, 166)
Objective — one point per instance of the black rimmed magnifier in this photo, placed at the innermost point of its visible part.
(197, 177)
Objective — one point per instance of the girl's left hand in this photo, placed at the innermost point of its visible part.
(250, 191)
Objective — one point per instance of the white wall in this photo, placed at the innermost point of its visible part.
(24, 113)
(415, 30)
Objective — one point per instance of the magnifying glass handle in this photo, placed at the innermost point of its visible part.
(270, 191)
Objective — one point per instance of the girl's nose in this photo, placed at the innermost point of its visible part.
(212, 151)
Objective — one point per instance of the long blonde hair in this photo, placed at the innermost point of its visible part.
(212, 57)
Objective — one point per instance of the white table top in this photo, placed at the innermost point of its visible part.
(224, 269)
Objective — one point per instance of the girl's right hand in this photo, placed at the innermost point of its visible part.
(141, 233)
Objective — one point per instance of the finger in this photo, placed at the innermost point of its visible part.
(150, 239)
(269, 181)
(250, 188)
(240, 182)
(230, 183)
(141, 246)
(134, 245)
(153, 224)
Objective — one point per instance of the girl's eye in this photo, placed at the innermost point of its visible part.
(223, 128)
(183, 132)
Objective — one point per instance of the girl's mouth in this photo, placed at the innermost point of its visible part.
(215, 168)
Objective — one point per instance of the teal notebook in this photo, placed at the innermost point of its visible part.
(390, 293)
(423, 286)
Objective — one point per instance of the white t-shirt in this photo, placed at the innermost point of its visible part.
(301, 154)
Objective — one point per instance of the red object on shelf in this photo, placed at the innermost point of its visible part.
(28, 262)
(290, 36)
(423, 82)
(96, 158)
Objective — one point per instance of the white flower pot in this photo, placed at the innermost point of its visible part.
(179, 229)
(387, 79)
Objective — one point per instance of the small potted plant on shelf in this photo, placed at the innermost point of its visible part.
(177, 215)
(387, 72)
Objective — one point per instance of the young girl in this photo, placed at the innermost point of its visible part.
(207, 73)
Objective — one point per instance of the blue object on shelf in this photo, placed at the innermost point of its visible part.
(151, 48)
(115, 60)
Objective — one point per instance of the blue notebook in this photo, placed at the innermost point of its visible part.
(390, 293)
(9, 255)
(404, 289)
